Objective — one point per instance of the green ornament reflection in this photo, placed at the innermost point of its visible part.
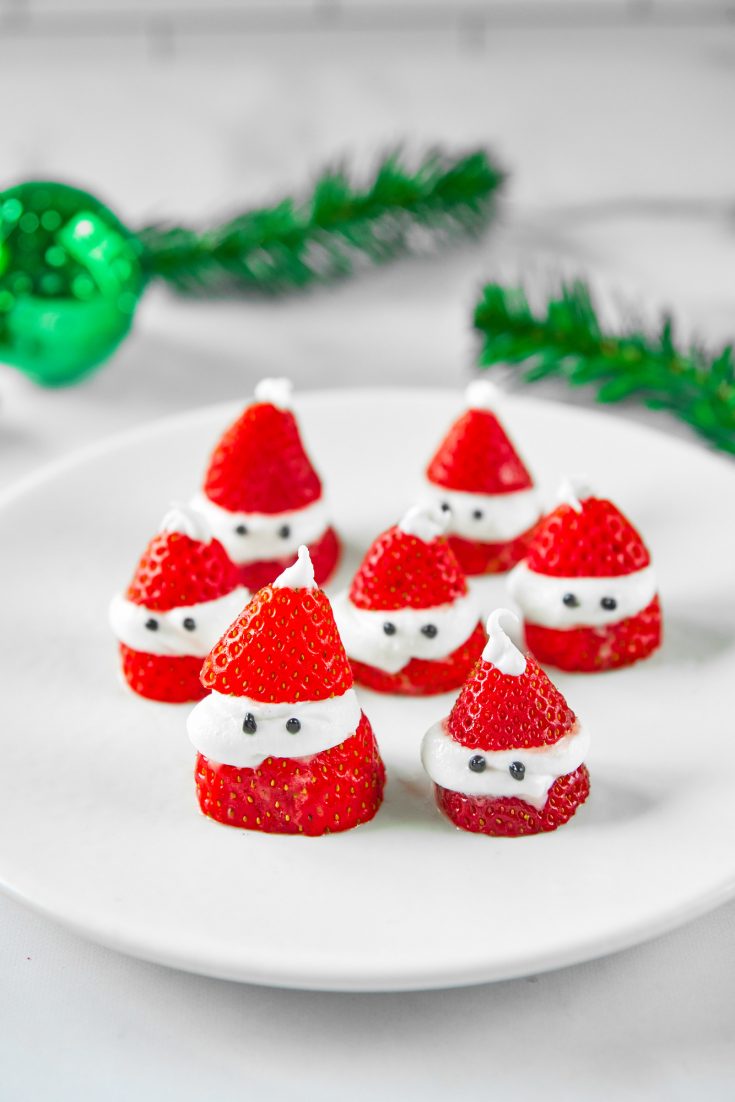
(70, 281)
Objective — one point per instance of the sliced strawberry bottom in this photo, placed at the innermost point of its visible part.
(324, 554)
(332, 791)
(173, 680)
(592, 650)
(421, 677)
(511, 817)
(490, 558)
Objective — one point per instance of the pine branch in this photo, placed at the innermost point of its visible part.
(336, 229)
(567, 339)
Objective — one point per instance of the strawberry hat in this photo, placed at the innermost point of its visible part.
(476, 455)
(586, 538)
(508, 702)
(285, 646)
(182, 565)
(410, 566)
(260, 465)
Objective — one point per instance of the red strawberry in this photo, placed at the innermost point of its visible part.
(477, 456)
(402, 571)
(495, 711)
(324, 556)
(489, 558)
(592, 650)
(176, 570)
(592, 541)
(260, 465)
(160, 677)
(511, 818)
(423, 678)
(283, 648)
(329, 792)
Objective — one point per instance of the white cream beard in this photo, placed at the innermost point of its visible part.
(447, 764)
(170, 637)
(361, 631)
(541, 597)
(215, 728)
(503, 516)
(262, 541)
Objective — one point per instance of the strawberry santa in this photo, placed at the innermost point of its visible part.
(408, 621)
(480, 481)
(509, 758)
(587, 588)
(184, 593)
(283, 745)
(261, 494)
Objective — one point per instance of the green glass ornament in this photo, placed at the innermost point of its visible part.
(70, 281)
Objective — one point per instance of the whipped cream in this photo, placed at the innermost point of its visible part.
(541, 597)
(425, 521)
(500, 649)
(170, 637)
(447, 764)
(300, 575)
(215, 728)
(266, 536)
(278, 392)
(484, 395)
(187, 522)
(487, 518)
(365, 640)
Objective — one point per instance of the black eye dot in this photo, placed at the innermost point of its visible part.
(249, 725)
(445, 506)
(571, 600)
(477, 763)
(430, 631)
(389, 628)
(152, 624)
(609, 603)
(477, 514)
(293, 726)
(190, 624)
(517, 770)
(284, 531)
(242, 529)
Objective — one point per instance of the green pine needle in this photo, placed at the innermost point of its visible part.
(566, 339)
(339, 227)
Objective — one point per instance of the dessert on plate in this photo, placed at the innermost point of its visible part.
(283, 745)
(509, 758)
(587, 589)
(478, 478)
(184, 593)
(408, 621)
(261, 494)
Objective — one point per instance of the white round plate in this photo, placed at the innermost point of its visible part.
(98, 822)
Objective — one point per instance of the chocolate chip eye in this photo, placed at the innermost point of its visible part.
(242, 529)
(284, 531)
(477, 763)
(389, 628)
(571, 600)
(293, 726)
(477, 514)
(249, 725)
(609, 603)
(445, 506)
(430, 631)
(152, 624)
(189, 624)
(517, 770)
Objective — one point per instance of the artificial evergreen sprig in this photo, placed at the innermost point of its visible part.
(338, 227)
(566, 338)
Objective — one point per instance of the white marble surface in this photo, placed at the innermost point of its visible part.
(624, 167)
